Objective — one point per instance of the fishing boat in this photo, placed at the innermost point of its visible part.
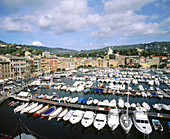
(35, 109)
(76, 117)
(32, 106)
(19, 108)
(68, 115)
(40, 111)
(141, 121)
(48, 112)
(55, 113)
(157, 125)
(113, 119)
(88, 118)
(62, 114)
(100, 121)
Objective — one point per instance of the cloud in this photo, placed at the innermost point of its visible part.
(37, 43)
(113, 6)
(15, 24)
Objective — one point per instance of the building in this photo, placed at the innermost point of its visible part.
(17, 64)
(5, 69)
(37, 65)
(53, 62)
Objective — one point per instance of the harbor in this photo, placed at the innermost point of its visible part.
(58, 93)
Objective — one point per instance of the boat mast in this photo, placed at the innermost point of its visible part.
(127, 101)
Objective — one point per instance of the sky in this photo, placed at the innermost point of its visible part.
(84, 24)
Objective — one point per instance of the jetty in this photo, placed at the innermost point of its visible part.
(96, 108)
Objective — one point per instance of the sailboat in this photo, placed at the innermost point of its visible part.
(125, 119)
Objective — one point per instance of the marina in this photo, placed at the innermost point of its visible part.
(57, 101)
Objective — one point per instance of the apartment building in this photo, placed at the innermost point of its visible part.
(4, 69)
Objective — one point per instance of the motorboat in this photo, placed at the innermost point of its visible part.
(48, 112)
(76, 117)
(121, 103)
(32, 106)
(88, 118)
(157, 125)
(133, 105)
(126, 122)
(141, 121)
(113, 119)
(135, 81)
(73, 89)
(146, 106)
(40, 111)
(90, 101)
(68, 115)
(100, 121)
(95, 101)
(61, 114)
(20, 107)
(74, 100)
(112, 103)
(55, 113)
(157, 107)
(144, 94)
(36, 108)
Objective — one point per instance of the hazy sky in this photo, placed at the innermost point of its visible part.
(84, 24)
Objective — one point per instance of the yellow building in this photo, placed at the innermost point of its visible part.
(5, 69)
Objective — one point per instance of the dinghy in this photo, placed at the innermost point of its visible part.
(68, 115)
(62, 114)
(55, 113)
(48, 112)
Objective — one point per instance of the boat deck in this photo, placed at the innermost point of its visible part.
(96, 108)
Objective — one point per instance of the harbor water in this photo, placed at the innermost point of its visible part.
(42, 128)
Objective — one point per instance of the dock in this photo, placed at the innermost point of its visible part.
(96, 108)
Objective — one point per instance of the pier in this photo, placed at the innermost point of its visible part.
(96, 108)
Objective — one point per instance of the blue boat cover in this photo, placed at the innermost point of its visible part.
(80, 100)
(49, 111)
(169, 124)
(96, 90)
(101, 90)
(85, 100)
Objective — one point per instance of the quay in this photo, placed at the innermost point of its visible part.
(96, 108)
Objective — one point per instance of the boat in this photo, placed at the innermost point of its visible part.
(113, 119)
(35, 88)
(112, 103)
(90, 101)
(61, 114)
(40, 111)
(121, 103)
(157, 125)
(26, 109)
(54, 113)
(80, 100)
(100, 121)
(48, 112)
(95, 101)
(125, 119)
(133, 105)
(68, 115)
(141, 121)
(157, 107)
(11, 103)
(84, 101)
(74, 100)
(76, 117)
(127, 104)
(19, 108)
(36, 108)
(88, 118)
(146, 106)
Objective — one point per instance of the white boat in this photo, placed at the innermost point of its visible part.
(157, 107)
(68, 115)
(113, 119)
(29, 108)
(35, 88)
(80, 88)
(55, 113)
(41, 110)
(68, 99)
(159, 94)
(144, 94)
(88, 84)
(36, 108)
(74, 100)
(20, 107)
(127, 104)
(88, 118)
(73, 89)
(95, 101)
(112, 103)
(90, 101)
(100, 121)
(121, 103)
(141, 121)
(146, 106)
(133, 105)
(76, 117)
(62, 114)
(135, 81)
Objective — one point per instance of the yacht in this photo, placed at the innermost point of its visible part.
(88, 118)
(76, 117)
(68, 115)
(113, 119)
(121, 103)
(141, 121)
(100, 121)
